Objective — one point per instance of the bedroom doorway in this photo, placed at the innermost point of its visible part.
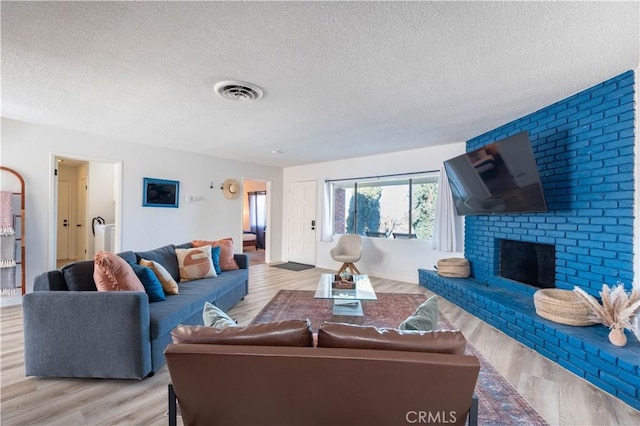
(254, 220)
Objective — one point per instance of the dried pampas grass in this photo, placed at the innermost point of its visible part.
(616, 311)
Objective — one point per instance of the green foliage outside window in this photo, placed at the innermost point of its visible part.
(398, 208)
(368, 211)
(424, 209)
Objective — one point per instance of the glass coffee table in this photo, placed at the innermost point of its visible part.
(347, 306)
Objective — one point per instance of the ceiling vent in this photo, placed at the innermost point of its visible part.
(239, 91)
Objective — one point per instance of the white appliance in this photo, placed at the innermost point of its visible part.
(105, 237)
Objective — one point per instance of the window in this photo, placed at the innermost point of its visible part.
(398, 207)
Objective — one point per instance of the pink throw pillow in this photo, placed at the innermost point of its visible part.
(113, 273)
(227, 262)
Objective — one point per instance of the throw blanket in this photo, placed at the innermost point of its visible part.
(7, 245)
(7, 242)
(7, 274)
(6, 212)
(7, 263)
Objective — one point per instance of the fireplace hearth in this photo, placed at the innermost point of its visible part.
(585, 351)
(528, 263)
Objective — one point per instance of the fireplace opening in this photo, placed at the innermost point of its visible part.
(528, 263)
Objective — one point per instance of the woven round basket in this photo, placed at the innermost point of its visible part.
(561, 306)
(454, 267)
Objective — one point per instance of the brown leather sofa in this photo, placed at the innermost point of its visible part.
(275, 374)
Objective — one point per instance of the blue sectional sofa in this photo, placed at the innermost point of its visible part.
(73, 330)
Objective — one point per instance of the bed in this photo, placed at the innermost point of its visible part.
(249, 239)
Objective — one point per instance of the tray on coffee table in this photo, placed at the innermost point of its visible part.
(346, 301)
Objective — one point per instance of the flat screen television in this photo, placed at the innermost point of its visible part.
(499, 178)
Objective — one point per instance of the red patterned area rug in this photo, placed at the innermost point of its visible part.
(499, 402)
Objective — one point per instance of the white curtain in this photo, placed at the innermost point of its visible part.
(446, 233)
(325, 228)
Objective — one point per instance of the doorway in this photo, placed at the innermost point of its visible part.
(69, 205)
(258, 216)
(255, 208)
(63, 250)
(81, 189)
(302, 222)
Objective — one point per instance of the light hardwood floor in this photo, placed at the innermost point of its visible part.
(559, 396)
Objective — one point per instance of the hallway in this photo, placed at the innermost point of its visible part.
(256, 257)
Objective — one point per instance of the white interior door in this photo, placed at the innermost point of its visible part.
(302, 222)
(81, 235)
(63, 228)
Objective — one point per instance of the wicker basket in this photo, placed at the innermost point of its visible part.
(454, 267)
(561, 306)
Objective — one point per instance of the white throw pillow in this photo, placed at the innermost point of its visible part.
(212, 316)
(195, 263)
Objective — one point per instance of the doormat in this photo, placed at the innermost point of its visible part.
(293, 266)
(499, 403)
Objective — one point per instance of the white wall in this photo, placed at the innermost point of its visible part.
(28, 149)
(385, 258)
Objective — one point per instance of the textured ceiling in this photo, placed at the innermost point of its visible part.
(341, 79)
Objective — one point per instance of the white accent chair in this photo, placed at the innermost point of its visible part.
(348, 250)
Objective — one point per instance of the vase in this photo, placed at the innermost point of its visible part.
(617, 336)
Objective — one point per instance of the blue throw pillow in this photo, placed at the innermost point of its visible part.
(215, 257)
(150, 282)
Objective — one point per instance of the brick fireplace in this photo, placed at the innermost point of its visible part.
(584, 148)
(528, 263)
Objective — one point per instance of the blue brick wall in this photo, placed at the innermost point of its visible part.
(584, 147)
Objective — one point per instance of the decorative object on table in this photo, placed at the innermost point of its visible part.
(617, 310)
(160, 192)
(454, 267)
(561, 306)
(231, 189)
(343, 281)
